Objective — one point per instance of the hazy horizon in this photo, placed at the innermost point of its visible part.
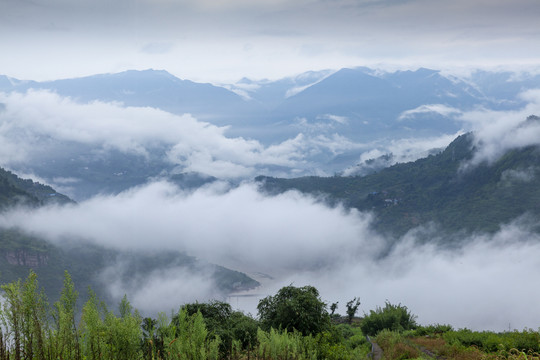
(223, 41)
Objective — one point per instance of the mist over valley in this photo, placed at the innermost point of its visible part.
(417, 187)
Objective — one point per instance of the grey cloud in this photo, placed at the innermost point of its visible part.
(157, 48)
(344, 33)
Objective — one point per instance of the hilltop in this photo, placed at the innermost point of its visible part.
(436, 189)
(17, 191)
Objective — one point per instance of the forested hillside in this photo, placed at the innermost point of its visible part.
(435, 189)
(14, 190)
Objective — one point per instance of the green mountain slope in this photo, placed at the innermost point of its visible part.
(17, 191)
(435, 189)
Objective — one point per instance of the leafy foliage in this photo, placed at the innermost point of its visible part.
(526, 340)
(443, 341)
(352, 308)
(236, 331)
(390, 317)
(293, 308)
(30, 329)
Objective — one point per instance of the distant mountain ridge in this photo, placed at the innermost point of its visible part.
(372, 101)
(435, 190)
(317, 111)
(153, 88)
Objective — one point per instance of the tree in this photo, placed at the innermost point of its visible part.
(244, 329)
(93, 328)
(151, 342)
(67, 336)
(216, 316)
(13, 315)
(123, 333)
(352, 308)
(215, 313)
(294, 308)
(221, 321)
(333, 308)
(24, 318)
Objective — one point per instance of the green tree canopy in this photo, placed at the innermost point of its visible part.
(294, 308)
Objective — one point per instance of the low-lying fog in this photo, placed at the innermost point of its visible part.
(489, 282)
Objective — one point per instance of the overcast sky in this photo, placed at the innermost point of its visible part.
(223, 40)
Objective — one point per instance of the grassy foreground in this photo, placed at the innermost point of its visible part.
(292, 325)
(443, 342)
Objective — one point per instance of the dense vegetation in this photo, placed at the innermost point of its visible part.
(32, 329)
(443, 342)
(17, 191)
(434, 189)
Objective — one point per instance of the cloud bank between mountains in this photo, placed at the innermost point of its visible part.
(38, 120)
(40, 124)
(485, 282)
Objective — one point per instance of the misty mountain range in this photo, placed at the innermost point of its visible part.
(436, 190)
(312, 124)
(368, 102)
(162, 172)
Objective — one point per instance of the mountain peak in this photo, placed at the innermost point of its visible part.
(146, 74)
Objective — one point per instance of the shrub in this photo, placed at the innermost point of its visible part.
(391, 317)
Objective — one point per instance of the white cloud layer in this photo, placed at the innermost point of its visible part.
(35, 123)
(496, 132)
(431, 108)
(208, 223)
(485, 283)
(160, 290)
(401, 151)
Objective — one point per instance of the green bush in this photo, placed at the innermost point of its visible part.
(436, 329)
(526, 340)
(285, 345)
(391, 317)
